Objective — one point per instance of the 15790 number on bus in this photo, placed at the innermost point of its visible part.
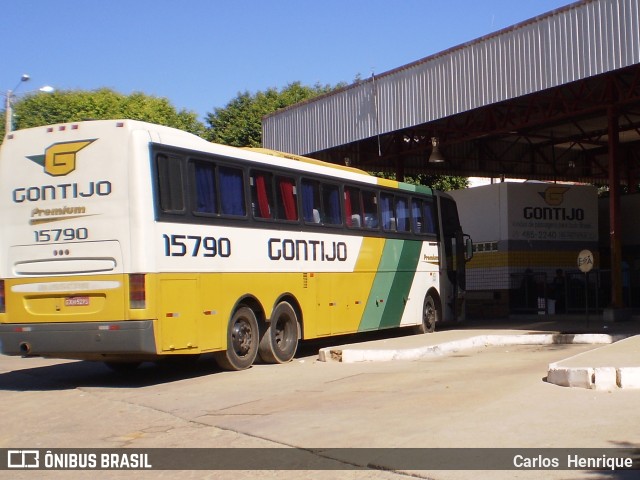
(195, 245)
(61, 235)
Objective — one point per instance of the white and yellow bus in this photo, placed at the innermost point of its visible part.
(124, 241)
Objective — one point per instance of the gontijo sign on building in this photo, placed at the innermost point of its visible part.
(553, 212)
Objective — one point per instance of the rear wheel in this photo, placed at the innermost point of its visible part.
(242, 341)
(430, 314)
(280, 341)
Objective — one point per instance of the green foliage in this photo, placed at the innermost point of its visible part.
(103, 104)
(437, 182)
(239, 124)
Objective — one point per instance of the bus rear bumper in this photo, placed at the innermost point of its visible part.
(86, 340)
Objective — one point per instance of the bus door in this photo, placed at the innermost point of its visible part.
(453, 264)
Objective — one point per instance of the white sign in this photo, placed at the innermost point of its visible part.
(585, 261)
(550, 212)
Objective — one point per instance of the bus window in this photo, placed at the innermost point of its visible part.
(423, 216)
(417, 218)
(231, 191)
(370, 209)
(353, 207)
(402, 214)
(170, 184)
(286, 204)
(206, 200)
(386, 210)
(311, 201)
(331, 204)
(261, 193)
(430, 217)
(450, 220)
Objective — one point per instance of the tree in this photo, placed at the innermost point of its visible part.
(239, 124)
(437, 182)
(440, 182)
(76, 105)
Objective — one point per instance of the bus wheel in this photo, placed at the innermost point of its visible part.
(242, 341)
(429, 315)
(280, 342)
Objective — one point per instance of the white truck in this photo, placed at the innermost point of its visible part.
(524, 233)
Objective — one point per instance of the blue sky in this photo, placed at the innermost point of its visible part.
(201, 53)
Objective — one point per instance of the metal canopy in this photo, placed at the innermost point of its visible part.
(531, 101)
(556, 134)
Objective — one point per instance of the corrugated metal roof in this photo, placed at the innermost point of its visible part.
(584, 39)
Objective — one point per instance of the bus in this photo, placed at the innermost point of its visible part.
(124, 242)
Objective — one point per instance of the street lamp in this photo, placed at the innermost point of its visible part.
(436, 156)
(10, 96)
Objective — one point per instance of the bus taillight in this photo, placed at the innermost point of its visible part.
(137, 292)
(2, 297)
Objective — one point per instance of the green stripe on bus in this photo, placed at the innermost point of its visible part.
(390, 289)
(415, 188)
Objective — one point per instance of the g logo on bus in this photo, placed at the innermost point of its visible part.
(60, 158)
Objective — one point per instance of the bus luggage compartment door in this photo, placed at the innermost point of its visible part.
(178, 313)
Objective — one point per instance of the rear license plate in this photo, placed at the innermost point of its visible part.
(76, 301)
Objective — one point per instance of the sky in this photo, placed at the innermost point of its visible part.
(200, 54)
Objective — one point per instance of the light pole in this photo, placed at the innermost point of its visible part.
(10, 95)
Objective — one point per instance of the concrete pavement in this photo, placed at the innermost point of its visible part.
(614, 363)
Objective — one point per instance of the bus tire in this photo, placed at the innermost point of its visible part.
(242, 341)
(280, 341)
(430, 314)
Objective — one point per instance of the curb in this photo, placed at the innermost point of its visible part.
(599, 378)
(352, 355)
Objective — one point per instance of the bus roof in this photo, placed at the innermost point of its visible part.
(299, 158)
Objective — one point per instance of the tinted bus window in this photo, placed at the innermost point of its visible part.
(286, 203)
(205, 180)
(170, 184)
(423, 216)
(261, 194)
(353, 212)
(370, 209)
(450, 220)
(311, 201)
(231, 191)
(402, 214)
(386, 212)
(331, 205)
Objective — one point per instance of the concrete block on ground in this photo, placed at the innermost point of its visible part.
(570, 377)
(628, 377)
(604, 378)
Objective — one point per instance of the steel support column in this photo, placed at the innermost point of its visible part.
(615, 234)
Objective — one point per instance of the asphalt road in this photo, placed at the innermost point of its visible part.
(492, 397)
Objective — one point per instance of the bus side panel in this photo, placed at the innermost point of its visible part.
(391, 286)
(341, 298)
(427, 278)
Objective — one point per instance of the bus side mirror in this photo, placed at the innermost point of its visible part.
(468, 248)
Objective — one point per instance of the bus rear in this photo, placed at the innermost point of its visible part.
(69, 288)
